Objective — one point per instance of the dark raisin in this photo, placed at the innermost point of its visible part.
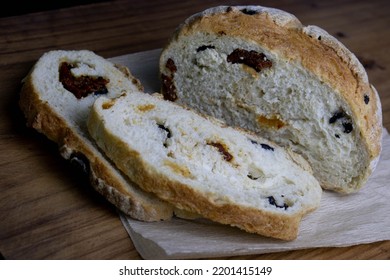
(272, 201)
(250, 176)
(347, 127)
(319, 38)
(264, 146)
(267, 147)
(168, 88)
(366, 99)
(337, 136)
(169, 135)
(345, 120)
(80, 161)
(81, 86)
(222, 150)
(171, 65)
(248, 12)
(257, 61)
(204, 47)
(336, 116)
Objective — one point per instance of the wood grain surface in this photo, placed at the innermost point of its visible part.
(47, 208)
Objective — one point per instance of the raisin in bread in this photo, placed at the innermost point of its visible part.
(261, 69)
(202, 166)
(56, 98)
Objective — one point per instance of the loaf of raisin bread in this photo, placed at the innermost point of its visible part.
(202, 166)
(259, 68)
(56, 98)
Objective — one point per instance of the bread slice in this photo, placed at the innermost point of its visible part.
(56, 98)
(261, 69)
(200, 165)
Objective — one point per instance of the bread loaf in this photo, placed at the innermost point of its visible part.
(259, 68)
(56, 98)
(200, 165)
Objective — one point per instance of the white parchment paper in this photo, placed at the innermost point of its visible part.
(341, 220)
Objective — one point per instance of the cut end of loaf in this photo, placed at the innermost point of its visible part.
(299, 87)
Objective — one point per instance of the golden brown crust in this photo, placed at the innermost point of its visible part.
(40, 116)
(284, 35)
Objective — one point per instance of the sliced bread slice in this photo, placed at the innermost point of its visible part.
(56, 98)
(200, 165)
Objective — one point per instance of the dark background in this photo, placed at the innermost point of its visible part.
(15, 8)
